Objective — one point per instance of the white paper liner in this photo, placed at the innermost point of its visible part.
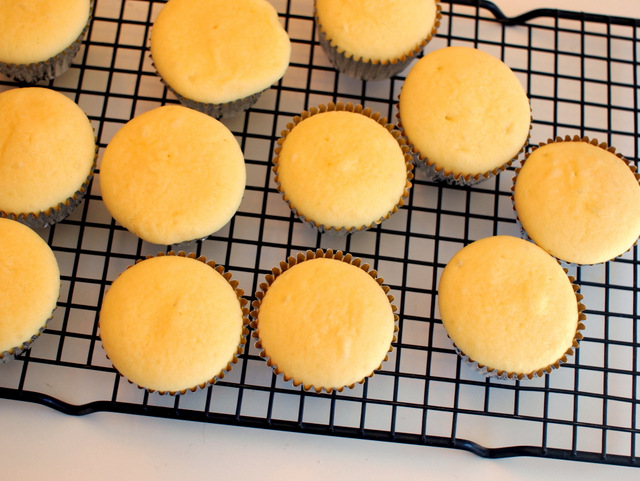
(368, 69)
(270, 279)
(51, 68)
(348, 107)
(243, 337)
(569, 138)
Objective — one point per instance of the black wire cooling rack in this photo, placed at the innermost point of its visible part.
(581, 74)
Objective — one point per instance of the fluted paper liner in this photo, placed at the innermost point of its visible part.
(438, 173)
(6, 356)
(490, 371)
(56, 213)
(358, 109)
(569, 138)
(284, 266)
(243, 337)
(366, 69)
(51, 68)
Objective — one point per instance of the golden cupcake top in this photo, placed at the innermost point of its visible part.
(30, 280)
(217, 51)
(172, 323)
(377, 30)
(578, 200)
(172, 174)
(342, 167)
(464, 111)
(325, 321)
(509, 306)
(36, 30)
(48, 149)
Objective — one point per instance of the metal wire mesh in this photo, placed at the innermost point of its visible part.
(581, 74)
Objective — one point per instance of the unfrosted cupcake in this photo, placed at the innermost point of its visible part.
(375, 39)
(342, 168)
(324, 320)
(47, 158)
(510, 308)
(40, 38)
(173, 323)
(578, 200)
(465, 114)
(218, 56)
(30, 280)
(172, 175)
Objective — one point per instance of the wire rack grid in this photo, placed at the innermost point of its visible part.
(581, 74)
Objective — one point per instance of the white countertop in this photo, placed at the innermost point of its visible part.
(41, 443)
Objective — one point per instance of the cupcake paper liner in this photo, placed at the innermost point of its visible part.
(569, 138)
(436, 173)
(341, 231)
(57, 213)
(284, 266)
(372, 69)
(243, 338)
(502, 374)
(51, 68)
(7, 356)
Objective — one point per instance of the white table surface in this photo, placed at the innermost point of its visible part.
(40, 443)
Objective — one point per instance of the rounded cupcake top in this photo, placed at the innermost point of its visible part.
(172, 323)
(172, 175)
(377, 31)
(509, 307)
(464, 111)
(36, 30)
(342, 167)
(324, 321)
(217, 51)
(30, 280)
(48, 152)
(578, 200)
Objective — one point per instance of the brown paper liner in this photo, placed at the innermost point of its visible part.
(372, 69)
(284, 266)
(437, 172)
(14, 352)
(489, 371)
(51, 68)
(359, 109)
(56, 213)
(243, 337)
(569, 138)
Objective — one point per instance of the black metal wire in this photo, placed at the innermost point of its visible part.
(424, 395)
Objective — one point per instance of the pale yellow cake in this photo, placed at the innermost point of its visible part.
(47, 155)
(172, 323)
(509, 307)
(324, 322)
(361, 37)
(30, 281)
(217, 51)
(578, 201)
(465, 113)
(37, 31)
(342, 169)
(172, 174)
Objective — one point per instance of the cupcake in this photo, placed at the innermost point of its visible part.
(342, 168)
(324, 320)
(465, 114)
(30, 280)
(172, 175)
(510, 308)
(578, 200)
(173, 323)
(218, 56)
(375, 40)
(47, 158)
(40, 38)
